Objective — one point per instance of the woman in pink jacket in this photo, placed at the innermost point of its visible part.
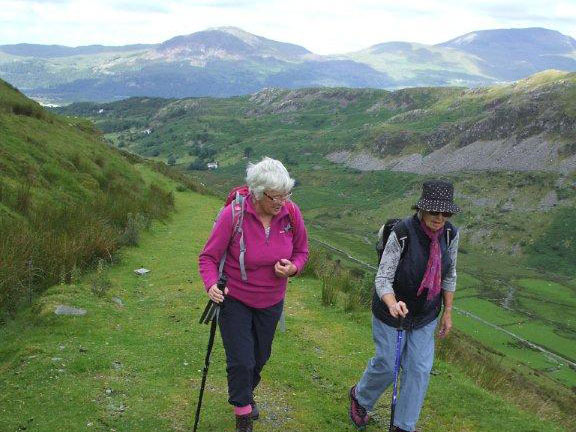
(276, 247)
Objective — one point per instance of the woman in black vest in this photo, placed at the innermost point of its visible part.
(416, 279)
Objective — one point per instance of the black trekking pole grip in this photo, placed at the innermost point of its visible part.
(212, 308)
(221, 284)
(400, 323)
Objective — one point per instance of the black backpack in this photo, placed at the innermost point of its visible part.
(401, 231)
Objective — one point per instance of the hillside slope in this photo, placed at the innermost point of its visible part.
(137, 365)
(66, 198)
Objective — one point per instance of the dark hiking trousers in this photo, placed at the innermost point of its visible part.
(247, 335)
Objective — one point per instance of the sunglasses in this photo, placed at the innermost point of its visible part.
(445, 214)
(279, 198)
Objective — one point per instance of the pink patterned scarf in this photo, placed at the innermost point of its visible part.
(432, 280)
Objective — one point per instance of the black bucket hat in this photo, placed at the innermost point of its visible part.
(437, 196)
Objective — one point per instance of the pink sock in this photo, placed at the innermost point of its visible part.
(245, 410)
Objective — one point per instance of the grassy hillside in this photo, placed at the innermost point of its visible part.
(137, 366)
(66, 198)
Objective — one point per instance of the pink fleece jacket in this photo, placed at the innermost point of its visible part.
(263, 288)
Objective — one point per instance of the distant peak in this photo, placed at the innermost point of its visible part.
(237, 32)
(227, 29)
(466, 39)
(508, 36)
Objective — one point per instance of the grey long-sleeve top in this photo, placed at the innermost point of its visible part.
(391, 258)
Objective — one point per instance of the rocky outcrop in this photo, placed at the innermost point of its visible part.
(535, 112)
(532, 154)
(392, 143)
(276, 101)
(175, 109)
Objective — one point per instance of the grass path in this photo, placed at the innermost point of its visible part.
(137, 367)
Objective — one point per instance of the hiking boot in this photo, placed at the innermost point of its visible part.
(255, 411)
(357, 412)
(244, 423)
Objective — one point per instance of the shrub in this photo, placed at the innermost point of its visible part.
(337, 279)
(360, 295)
(135, 223)
(29, 110)
(315, 264)
(329, 290)
(100, 282)
(197, 165)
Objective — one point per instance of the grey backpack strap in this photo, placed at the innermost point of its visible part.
(450, 234)
(237, 205)
(221, 265)
(242, 242)
(402, 235)
(402, 241)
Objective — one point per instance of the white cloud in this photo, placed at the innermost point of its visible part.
(323, 26)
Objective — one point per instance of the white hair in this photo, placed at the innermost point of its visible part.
(268, 174)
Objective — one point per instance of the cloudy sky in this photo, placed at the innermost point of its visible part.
(322, 26)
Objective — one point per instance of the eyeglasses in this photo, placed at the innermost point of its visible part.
(279, 198)
(445, 214)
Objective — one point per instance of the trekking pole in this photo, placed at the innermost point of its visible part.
(211, 315)
(400, 332)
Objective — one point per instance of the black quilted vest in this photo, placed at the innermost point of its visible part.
(409, 275)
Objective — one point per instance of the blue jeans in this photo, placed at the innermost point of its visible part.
(416, 363)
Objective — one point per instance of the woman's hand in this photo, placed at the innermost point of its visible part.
(398, 309)
(445, 324)
(284, 268)
(216, 294)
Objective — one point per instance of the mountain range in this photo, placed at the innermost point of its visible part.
(228, 61)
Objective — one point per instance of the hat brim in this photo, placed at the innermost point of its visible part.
(437, 206)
